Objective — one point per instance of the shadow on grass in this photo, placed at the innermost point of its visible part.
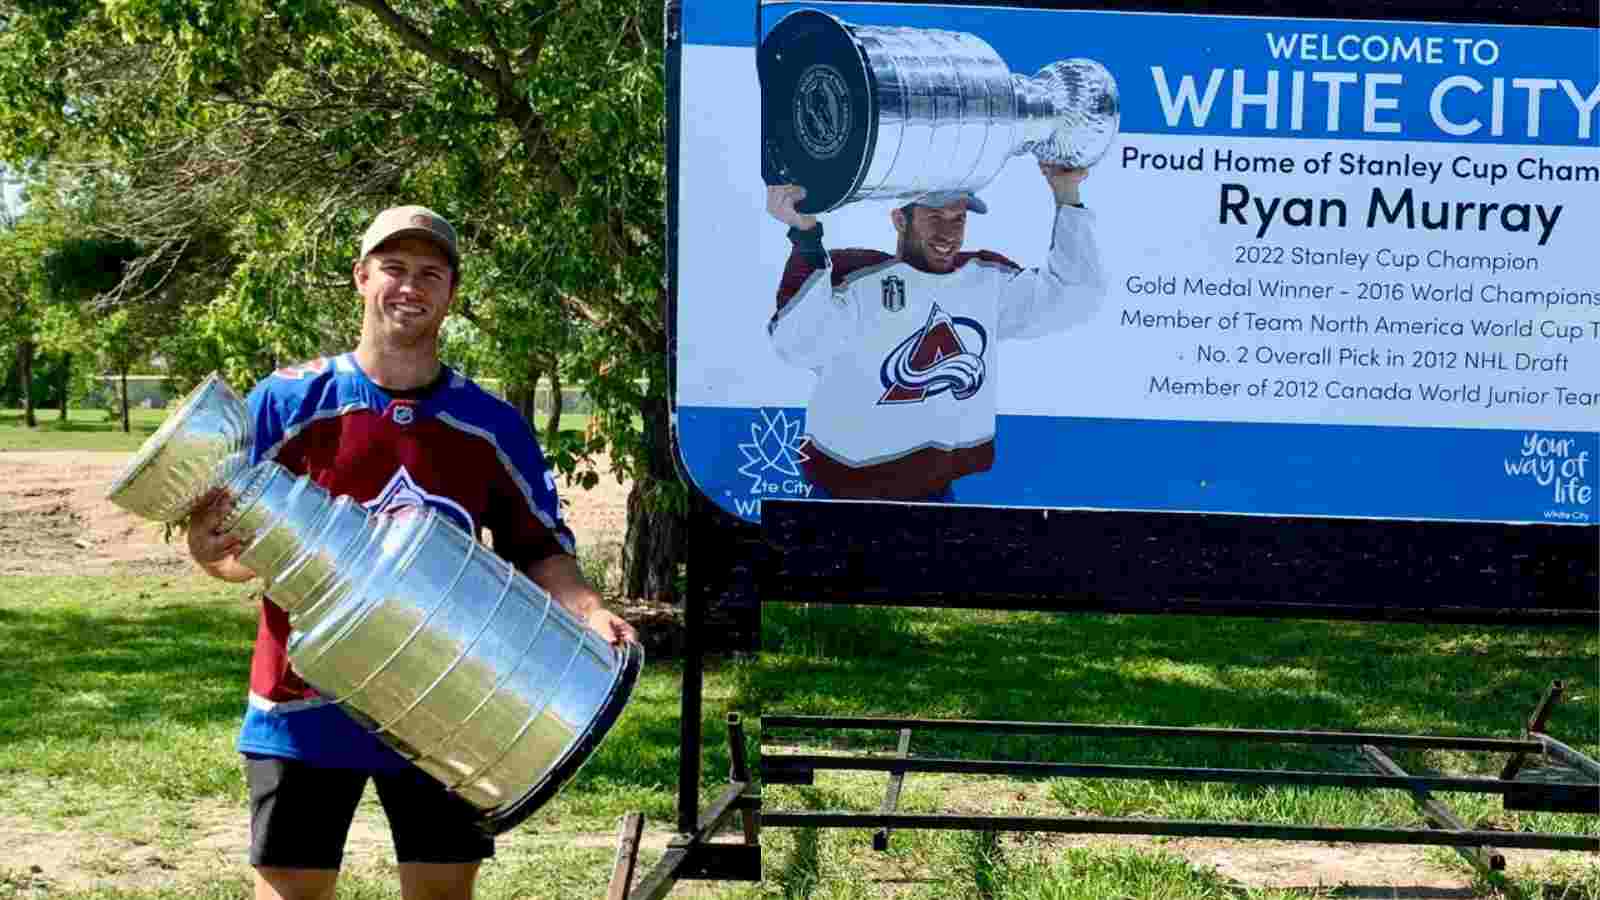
(984, 856)
(801, 870)
(1496, 884)
(73, 674)
(79, 422)
(1164, 670)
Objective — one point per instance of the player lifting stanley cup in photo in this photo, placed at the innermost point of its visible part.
(903, 343)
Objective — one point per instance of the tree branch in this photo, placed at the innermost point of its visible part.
(501, 58)
(508, 104)
(419, 41)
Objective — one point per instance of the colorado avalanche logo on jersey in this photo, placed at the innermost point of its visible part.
(936, 358)
(403, 491)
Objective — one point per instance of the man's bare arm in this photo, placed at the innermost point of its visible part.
(561, 576)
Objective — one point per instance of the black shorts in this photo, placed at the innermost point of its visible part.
(300, 815)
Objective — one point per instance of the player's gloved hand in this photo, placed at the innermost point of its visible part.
(781, 199)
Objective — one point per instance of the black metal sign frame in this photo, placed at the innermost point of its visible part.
(730, 562)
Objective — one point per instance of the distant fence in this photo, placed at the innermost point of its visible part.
(156, 392)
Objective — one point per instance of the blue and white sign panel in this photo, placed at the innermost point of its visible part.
(1323, 268)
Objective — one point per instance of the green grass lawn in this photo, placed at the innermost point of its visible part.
(94, 429)
(120, 698)
(84, 429)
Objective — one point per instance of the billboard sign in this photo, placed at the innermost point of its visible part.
(1088, 259)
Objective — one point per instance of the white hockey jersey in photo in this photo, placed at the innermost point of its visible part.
(907, 360)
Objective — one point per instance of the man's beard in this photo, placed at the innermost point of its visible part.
(920, 254)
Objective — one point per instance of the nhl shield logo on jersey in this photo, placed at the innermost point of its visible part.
(944, 355)
(894, 293)
(402, 413)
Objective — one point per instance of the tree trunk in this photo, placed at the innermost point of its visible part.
(526, 399)
(552, 425)
(66, 380)
(125, 423)
(658, 535)
(25, 369)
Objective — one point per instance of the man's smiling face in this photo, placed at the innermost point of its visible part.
(406, 286)
(931, 236)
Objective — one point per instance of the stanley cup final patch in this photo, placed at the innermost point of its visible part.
(894, 293)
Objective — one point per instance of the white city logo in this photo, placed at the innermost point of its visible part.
(775, 446)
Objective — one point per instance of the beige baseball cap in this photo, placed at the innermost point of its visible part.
(412, 221)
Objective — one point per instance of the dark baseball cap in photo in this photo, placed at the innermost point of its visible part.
(412, 221)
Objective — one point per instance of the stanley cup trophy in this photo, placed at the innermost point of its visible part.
(856, 112)
(441, 648)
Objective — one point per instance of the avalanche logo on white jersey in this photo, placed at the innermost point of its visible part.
(935, 359)
(403, 491)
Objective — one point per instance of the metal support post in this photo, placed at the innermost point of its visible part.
(891, 796)
(701, 563)
(739, 772)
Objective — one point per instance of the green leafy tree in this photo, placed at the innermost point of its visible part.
(247, 144)
(79, 321)
(22, 244)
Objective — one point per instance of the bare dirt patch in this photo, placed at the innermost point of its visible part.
(39, 861)
(55, 519)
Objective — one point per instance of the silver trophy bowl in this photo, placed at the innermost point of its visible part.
(201, 445)
(445, 651)
(865, 112)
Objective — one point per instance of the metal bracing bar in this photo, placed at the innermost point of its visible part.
(1408, 741)
(739, 771)
(1536, 722)
(1568, 755)
(891, 794)
(627, 856)
(661, 879)
(801, 762)
(1484, 857)
(716, 816)
(1181, 828)
(681, 851)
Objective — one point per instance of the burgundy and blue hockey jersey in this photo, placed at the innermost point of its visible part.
(452, 446)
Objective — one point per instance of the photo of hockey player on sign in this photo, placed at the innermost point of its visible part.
(904, 345)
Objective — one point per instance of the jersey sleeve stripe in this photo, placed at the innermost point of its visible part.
(291, 432)
(847, 276)
(287, 706)
(544, 518)
(790, 305)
